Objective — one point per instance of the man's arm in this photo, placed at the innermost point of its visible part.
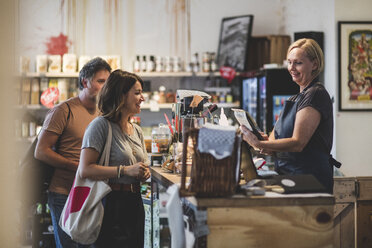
(44, 152)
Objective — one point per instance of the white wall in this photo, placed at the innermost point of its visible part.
(132, 27)
(354, 133)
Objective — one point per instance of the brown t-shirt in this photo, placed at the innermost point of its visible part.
(71, 134)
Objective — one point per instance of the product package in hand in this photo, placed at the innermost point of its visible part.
(245, 119)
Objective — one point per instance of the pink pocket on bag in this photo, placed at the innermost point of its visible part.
(76, 200)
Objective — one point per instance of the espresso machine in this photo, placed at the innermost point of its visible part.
(187, 111)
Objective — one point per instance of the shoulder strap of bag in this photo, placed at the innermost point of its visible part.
(105, 156)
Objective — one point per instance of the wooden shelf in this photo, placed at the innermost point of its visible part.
(142, 74)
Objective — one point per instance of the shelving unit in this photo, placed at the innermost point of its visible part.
(151, 114)
(142, 74)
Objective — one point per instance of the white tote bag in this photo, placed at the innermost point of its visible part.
(82, 214)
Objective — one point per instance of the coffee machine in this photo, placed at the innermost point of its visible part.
(187, 111)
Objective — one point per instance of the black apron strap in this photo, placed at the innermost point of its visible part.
(334, 162)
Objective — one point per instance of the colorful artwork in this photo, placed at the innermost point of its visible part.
(360, 65)
(355, 66)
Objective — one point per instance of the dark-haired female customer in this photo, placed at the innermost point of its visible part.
(119, 99)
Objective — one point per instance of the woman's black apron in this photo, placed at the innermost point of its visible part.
(311, 160)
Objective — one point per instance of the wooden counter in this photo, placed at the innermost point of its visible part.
(273, 220)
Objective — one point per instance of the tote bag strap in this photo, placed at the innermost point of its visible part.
(105, 156)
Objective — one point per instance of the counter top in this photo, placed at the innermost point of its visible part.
(239, 200)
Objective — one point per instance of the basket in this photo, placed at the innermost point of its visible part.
(209, 176)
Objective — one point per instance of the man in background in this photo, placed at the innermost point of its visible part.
(60, 140)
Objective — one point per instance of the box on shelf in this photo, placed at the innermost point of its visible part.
(54, 63)
(69, 63)
(268, 49)
(41, 63)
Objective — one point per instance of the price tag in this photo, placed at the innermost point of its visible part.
(49, 97)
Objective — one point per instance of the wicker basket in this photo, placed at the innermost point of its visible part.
(209, 177)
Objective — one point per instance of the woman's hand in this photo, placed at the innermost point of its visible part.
(249, 137)
(146, 175)
(137, 170)
(264, 136)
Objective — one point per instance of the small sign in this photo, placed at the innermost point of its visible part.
(227, 73)
(49, 97)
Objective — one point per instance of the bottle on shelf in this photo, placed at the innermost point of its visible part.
(176, 64)
(206, 62)
(168, 64)
(150, 67)
(136, 64)
(143, 63)
(196, 64)
(162, 97)
(159, 64)
(213, 62)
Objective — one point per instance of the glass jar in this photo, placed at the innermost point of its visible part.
(160, 139)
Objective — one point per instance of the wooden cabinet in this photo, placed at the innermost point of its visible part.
(353, 212)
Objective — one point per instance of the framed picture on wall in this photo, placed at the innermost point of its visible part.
(233, 44)
(355, 65)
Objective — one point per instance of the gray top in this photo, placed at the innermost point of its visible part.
(125, 149)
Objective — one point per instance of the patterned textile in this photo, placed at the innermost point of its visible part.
(216, 140)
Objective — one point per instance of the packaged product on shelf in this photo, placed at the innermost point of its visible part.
(73, 88)
(32, 131)
(35, 91)
(69, 63)
(41, 63)
(162, 97)
(113, 61)
(63, 87)
(26, 91)
(54, 63)
(83, 60)
(53, 83)
(25, 124)
(170, 97)
(24, 64)
(44, 84)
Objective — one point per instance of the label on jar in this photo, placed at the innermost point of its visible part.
(154, 147)
(159, 146)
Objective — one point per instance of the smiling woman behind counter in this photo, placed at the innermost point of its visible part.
(303, 135)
